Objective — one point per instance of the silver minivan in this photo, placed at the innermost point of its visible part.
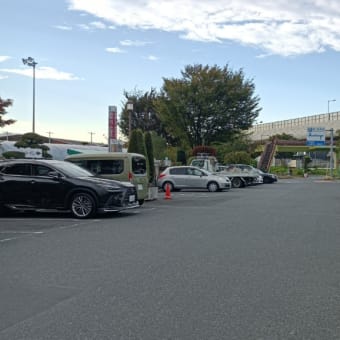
(191, 177)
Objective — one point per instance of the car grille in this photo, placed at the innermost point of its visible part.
(128, 193)
(121, 199)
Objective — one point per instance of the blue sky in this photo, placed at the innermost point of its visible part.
(88, 52)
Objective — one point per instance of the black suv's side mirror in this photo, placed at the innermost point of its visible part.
(54, 174)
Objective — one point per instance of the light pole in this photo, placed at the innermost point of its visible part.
(32, 63)
(330, 100)
(129, 107)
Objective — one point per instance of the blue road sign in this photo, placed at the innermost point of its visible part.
(316, 136)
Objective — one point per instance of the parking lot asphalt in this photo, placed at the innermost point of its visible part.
(21, 225)
(253, 263)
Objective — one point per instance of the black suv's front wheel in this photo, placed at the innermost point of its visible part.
(82, 205)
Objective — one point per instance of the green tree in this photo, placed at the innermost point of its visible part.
(159, 146)
(143, 115)
(207, 104)
(34, 141)
(4, 104)
(240, 142)
(238, 157)
(150, 156)
(137, 143)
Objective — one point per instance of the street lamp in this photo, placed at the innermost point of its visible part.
(330, 100)
(129, 107)
(32, 63)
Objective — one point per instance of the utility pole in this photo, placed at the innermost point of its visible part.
(49, 136)
(91, 133)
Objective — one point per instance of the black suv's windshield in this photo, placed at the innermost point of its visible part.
(71, 170)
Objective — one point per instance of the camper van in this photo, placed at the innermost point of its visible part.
(120, 166)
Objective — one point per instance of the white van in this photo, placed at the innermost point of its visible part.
(120, 166)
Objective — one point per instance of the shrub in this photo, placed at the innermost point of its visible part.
(13, 154)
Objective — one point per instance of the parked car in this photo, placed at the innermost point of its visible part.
(267, 177)
(47, 185)
(121, 166)
(190, 177)
(252, 175)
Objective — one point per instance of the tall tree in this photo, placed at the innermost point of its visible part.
(143, 115)
(137, 143)
(207, 104)
(4, 104)
(150, 156)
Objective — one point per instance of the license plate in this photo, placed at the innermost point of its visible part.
(140, 186)
(132, 198)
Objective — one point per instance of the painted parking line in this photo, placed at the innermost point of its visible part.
(8, 239)
(21, 232)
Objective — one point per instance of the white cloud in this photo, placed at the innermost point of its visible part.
(276, 27)
(42, 73)
(4, 58)
(84, 27)
(115, 50)
(3, 77)
(63, 27)
(136, 43)
(94, 25)
(152, 58)
(98, 24)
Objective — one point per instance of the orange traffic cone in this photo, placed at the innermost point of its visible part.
(167, 192)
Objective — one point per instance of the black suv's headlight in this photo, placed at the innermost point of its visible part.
(110, 187)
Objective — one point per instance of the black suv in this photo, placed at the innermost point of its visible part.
(39, 185)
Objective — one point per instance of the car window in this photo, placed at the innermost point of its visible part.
(198, 162)
(114, 166)
(17, 169)
(197, 172)
(41, 170)
(72, 170)
(104, 167)
(138, 165)
(178, 171)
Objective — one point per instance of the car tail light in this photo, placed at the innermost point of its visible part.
(162, 175)
(130, 176)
